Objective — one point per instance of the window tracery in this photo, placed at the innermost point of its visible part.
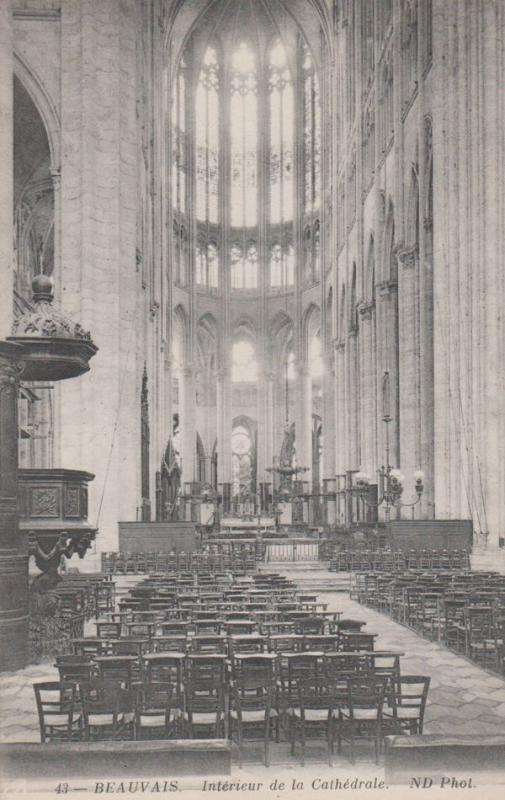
(207, 139)
(236, 83)
(244, 138)
(311, 133)
(179, 144)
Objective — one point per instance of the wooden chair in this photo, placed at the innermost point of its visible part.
(119, 669)
(313, 713)
(253, 701)
(406, 713)
(211, 643)
(360, 715)
(108, 630)
(310, 626)
(166, 668)
(73, 669)
(107, 710)
(59, 715)
(155, 717)
(205, 695)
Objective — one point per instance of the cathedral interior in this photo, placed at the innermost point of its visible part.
(252, 356)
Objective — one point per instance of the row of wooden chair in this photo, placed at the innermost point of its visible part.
(114, 563)
(398, 560)
(466, 612)
(254, 700)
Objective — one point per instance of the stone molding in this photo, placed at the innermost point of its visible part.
(387, 288)
(408, 256)
(366, 309)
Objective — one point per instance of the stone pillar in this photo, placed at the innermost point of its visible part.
(367, 389)
(408, 265)
(304, 427)
(353, 453)
(188, 425)
(13, 552)
(388, 318)
(224, 427)
(6, 169)
(265, 426)
(340, 427)
(99, 281)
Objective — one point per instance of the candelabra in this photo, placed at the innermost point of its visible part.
(391, 480)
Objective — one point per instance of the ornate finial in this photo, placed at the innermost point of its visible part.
(54, 346)
(44, 319)
(42, 288)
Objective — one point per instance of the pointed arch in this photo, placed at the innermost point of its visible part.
(44, 105)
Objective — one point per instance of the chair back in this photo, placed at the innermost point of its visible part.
(413, 693)
(73, 669)
(365, 693)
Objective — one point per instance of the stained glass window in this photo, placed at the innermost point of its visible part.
(244, 266)
(244, 138)
(207, 263)
(207, 139)
(282, 265)
(280, 87)
(237, 266)
(179, 143)
(311, 132)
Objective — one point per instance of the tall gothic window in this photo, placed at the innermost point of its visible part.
(244, 138)
(281, 135)
(179, 163)
(311, 133)
(207, 139)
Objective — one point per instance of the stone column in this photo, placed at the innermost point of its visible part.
(304, 431)
(367, 388)
(388, 319)
(6, 169)
(188, 425)
(224, 427)
(352, 409)
(13, 551)
(265, 425)
(340, 429)
(408, 265)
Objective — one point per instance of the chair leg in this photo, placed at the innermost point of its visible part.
(239, 743)
(267, 741)
(291, 734)
(330, 741)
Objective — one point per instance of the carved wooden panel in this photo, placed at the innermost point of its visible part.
(84, 503)
(44, 502)
(71, 502)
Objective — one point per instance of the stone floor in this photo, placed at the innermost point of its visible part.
(463, 699)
